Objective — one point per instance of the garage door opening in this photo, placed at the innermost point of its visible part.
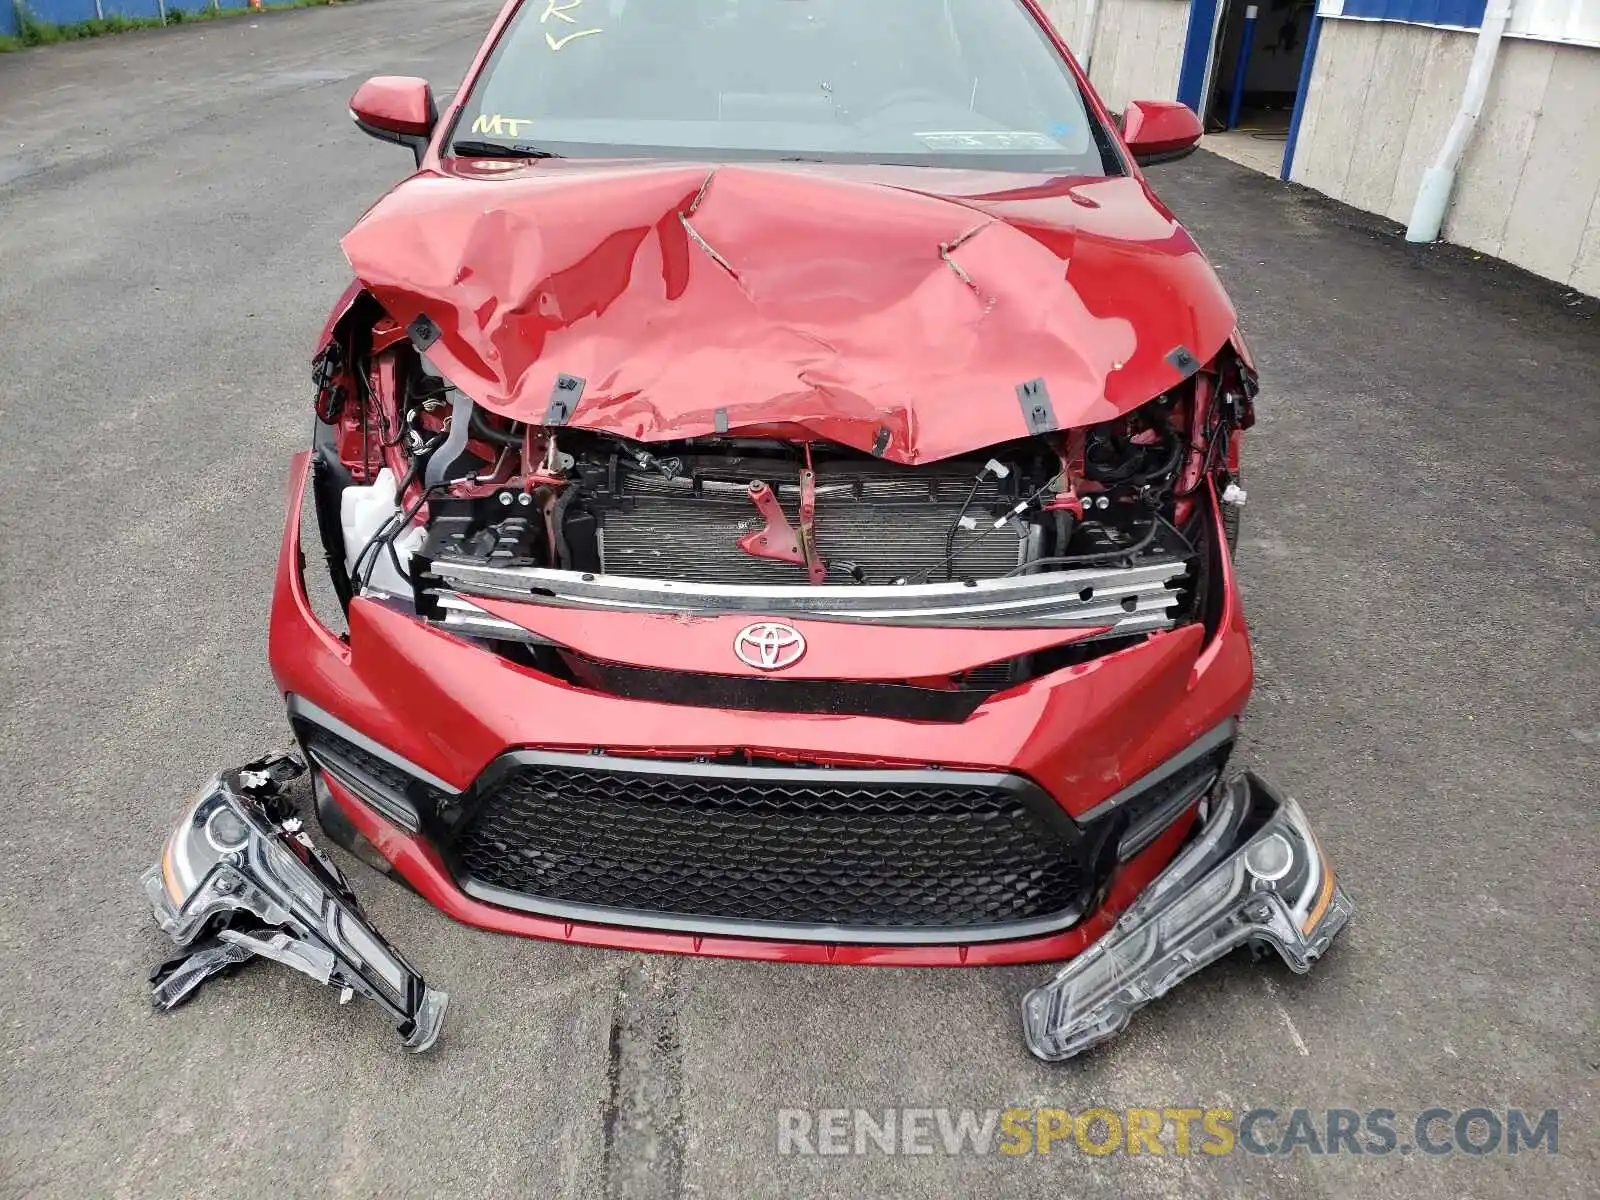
(1256, 63)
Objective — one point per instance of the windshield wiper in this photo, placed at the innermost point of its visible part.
(471, 149)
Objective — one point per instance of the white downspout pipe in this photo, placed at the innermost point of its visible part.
(1433, 197)
(1088, 26)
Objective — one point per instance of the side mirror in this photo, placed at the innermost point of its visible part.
(396, 108)
(1159, 131)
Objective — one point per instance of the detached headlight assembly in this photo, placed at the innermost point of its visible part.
(1254, 875)
(238, 879)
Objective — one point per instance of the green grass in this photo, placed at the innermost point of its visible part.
(34, 32)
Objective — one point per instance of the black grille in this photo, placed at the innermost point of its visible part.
(698, 846)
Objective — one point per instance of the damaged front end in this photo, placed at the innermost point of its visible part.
(238, 880)
(504, 440)
(431, 503)
(770, 631)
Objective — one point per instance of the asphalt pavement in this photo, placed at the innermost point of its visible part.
(1419, 559)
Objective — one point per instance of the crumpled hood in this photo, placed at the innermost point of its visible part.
(896, 311)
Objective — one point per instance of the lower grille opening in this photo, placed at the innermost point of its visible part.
(927, 855)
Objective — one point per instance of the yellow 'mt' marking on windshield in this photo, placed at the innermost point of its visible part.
(500, 126)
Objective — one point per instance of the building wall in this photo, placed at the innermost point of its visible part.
(1066, 15)
(71, 12)
(1381, 97)
(1138, 46)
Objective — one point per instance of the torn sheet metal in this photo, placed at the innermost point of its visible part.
(831, 302)
(238, 880)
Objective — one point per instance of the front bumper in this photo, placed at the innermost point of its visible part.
(1253, 875)
(450, 710)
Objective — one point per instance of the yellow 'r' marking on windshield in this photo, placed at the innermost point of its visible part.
(557, 9)
(557, 43)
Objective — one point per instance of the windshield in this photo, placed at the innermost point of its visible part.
(916, 82)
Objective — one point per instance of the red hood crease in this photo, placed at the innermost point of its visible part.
(894, 310)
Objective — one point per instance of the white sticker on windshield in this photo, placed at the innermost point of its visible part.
(988, 139)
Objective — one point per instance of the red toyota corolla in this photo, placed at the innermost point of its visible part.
(779, 463)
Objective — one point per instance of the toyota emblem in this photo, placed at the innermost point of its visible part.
(769, 646)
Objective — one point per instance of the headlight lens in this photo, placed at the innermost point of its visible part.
(198, 878)
(226, 830)
(184, 863)
(208, 833)
(1269, 859)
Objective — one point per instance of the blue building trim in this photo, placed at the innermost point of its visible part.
(1301, 88)
(1241, 67)
(72, 12)
(1196, 52)
(1468, 14)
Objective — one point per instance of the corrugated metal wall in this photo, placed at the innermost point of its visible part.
(1545, 20)
(1467, 14)
(1557, 20)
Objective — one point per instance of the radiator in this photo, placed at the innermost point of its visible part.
(889, 522)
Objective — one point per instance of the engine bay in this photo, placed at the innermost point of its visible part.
(426, 499)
